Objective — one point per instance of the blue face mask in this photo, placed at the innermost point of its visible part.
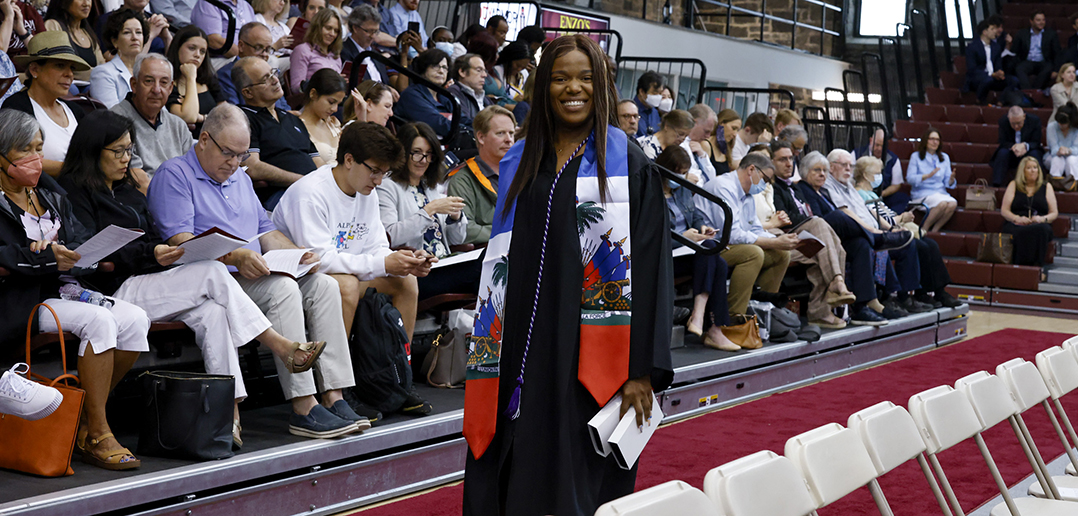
(674, 185)
(412, 53)
(757, 188)
(445, 46)
(877, 180)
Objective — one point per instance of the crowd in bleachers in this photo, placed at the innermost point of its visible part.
(265, 140)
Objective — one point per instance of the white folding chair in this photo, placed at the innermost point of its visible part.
(891, 438)
(1059, 369)
(673, 497)
(834, 462)
(761, 484)
(945, 418)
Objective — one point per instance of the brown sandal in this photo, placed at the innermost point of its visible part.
(315, 348)
(117, 460)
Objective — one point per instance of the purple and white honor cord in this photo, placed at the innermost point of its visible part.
(513, 410)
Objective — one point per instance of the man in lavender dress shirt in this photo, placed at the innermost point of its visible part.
(201, 190)
(215, 22)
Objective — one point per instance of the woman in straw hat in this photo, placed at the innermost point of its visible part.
(51, 65)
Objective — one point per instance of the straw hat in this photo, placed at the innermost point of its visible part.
(52, 44)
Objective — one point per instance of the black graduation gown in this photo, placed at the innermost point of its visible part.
(543, 462)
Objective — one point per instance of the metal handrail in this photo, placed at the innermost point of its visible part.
(692, 13)
(671, 61)
(727, 221)
(354, 80)
(617, 53)
(789, 95)
(829, 124)
(930, 42)
(230, 32)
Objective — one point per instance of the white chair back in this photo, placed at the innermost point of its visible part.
(1071, 345)
(888, 433)
(944, 417)
(1024, 381)
(1059, 370)
(991, 399)
(761, 484)
(833, 461)
(673, 497)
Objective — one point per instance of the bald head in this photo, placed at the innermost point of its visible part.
(255, 41)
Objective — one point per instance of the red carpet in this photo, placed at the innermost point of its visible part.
(687, 450)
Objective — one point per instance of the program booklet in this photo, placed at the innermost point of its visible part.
(809, 244)
(286, 262)
(211, 245)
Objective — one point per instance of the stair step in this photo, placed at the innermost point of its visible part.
(1058, 288)
(1069, 249)
(1066, 262)
(1063, 276)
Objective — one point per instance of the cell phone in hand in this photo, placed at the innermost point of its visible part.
(451, 160)
(414, 27)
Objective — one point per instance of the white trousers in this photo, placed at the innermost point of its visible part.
(205, 297)
(123, 327)
(308, 309)
(1060, 165)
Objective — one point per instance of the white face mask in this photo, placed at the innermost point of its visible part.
(666, 104)
(445, 46)
(877, 180)
(654, 100)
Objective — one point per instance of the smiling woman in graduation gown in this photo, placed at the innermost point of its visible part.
(580, 218)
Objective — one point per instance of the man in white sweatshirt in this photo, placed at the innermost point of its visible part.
(334, 210)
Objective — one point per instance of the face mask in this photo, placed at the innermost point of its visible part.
(25, 171)
(666, 104)
(445, 46)
(412, 52)
(757, 188)
(654, 100)
(674, 185)
(877, 180)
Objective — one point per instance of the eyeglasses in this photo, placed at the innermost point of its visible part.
(441, 67)
(259, 49)
(269, 79)
(629, 116)
(419, 157)
(375, 172)
(229, 155)
(120, 153)
(369, 32)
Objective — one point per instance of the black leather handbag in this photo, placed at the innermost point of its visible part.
(186, 415)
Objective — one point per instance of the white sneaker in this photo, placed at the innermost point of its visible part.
(26, 399)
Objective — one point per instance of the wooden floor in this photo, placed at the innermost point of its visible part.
(984, 320)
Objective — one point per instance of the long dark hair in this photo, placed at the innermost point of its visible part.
(82, 165)
(205, 73)
(539, 128)
(58, 11)
(435, 167)
(922, 146)
(326, 81)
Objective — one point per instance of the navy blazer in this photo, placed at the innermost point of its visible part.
(1050, 48)
(976, 60)
(1031, 132)
(820, 205)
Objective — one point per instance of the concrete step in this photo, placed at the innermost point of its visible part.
(1069, 249)
(1063, 276)
(1066, 262)
(1058, 288)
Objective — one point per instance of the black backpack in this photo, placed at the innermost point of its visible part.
(380, 354)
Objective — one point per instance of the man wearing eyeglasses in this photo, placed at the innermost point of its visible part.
(255, 41)
(281, 149)
(469, 74)
(201, 190)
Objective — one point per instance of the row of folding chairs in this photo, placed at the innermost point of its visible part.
(825, 464)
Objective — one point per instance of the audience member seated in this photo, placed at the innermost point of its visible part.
(1063, 91)
(929, 173)
(203, 295)
(984, 64)
(1036, 50)
(709, 272)
(51, 67)
(721, 142)
(400, 15)
(1062, 158)
(534, 36)
(469, 76)
(273, 14)
(177, 12)
(477, 180)
(649, 89)
(334, 211)
(666, 101)
(195, 90)
(7, 69)
(417, 214)
(890, 187)
(37, 219)
(757, 129)
(785, 118)
(1019, 136)
(628, 117)
(1029, 206)
(512, 71)
(420, 103)
(123, 35)
(1070, 52)
(188, 197)
(757, 257)
(254, 42)
(214, 22)
(321, 48)
(363, 24)
(324, 94)
(867, 178)
(281, 150)
(26, 23)
(524, 103)
(675, 127)
(498, 27)
(484, 45)
(369, 102)
(158, 135)
(309, 8)
(704, 125)
(442, 38)
(72, 18)
(460, 46)
(156, 32)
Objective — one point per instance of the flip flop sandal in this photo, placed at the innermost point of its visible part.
(117, 460)
(315, 348)
(80, 440)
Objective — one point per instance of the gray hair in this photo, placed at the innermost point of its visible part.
(240, 77)
(17, 130)
(810, 160)
(1015, 112)
(836, 154)
(225, 115)
(792, 132)
(756, 160)
(363, 14)
(151, 56)
(701, 112)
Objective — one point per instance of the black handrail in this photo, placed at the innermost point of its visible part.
(727, 221)
(853, 81)
(671, 61)
(829, 125)
(610, 32)
(764, 16)
(929, 40)
(230, 32)
(915, 52)
(874, 63)
(707, 97)
(354, 79)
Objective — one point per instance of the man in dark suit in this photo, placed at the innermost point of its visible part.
(1070, 52)
(1019, 136)
(363, 23)
(984, 66)
(1035, 51)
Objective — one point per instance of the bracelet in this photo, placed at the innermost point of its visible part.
(22, 37)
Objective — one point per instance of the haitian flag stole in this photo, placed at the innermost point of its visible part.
(605, 299)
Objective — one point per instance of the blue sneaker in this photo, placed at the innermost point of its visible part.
(343, 411)
(320, 424)
(867, 317)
